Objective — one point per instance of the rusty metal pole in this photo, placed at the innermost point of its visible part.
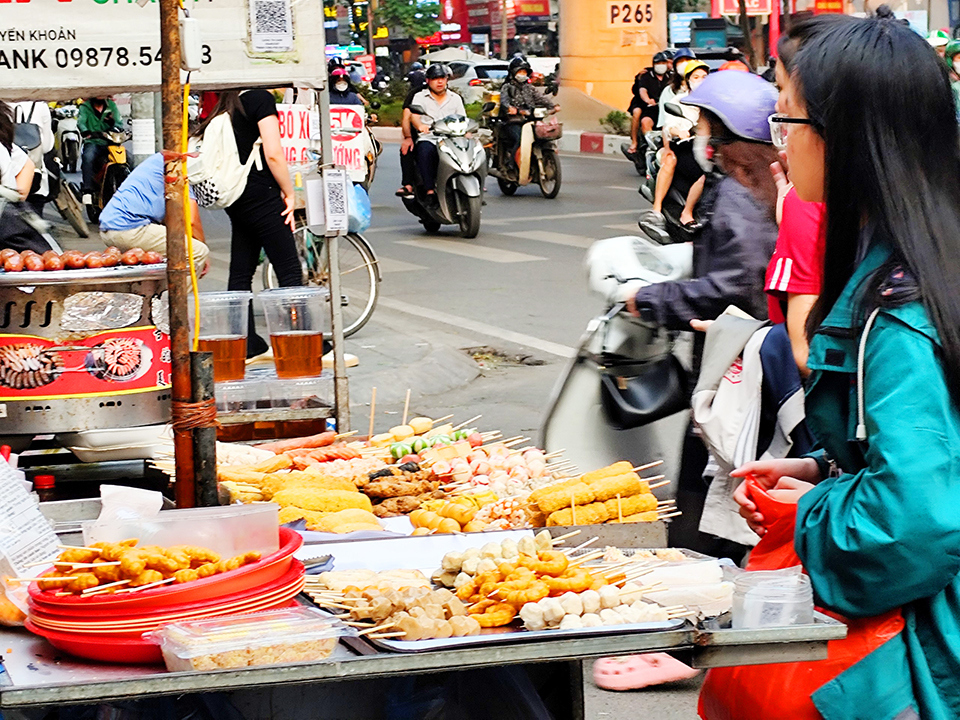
(178, 273)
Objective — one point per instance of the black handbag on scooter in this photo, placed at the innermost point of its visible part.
(637, 393)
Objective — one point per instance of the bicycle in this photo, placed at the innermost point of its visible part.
(359, 273)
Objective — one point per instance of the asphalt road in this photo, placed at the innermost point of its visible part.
(519, 288)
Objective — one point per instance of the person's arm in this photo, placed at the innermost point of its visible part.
(645, 96)
(890, 534)
(798, 308)
(196, 225)
(277, 161)
(405, 121)
(25, 178)
(84, 118)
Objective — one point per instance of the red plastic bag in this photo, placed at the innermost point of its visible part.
(782, 691)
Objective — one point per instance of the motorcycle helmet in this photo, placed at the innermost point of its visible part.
(742, 101)
(683, 54)
(339, 73)
(519, 63)
(437, 70)
(417, 65)
(734, 65)
(334, 63)
(938, 38)
(660, 57)
(953, 48)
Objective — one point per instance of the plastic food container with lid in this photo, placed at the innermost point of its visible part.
(772, 598)
(292, 635)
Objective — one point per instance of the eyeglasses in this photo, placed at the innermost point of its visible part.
(779, 125)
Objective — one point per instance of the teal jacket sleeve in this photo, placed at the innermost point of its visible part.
(85, 119)
(890, 534)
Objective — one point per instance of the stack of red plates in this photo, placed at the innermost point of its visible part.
(109, 627)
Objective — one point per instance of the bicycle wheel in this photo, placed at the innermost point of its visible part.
(359, 275)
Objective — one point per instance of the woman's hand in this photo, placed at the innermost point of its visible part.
(789, 490)
(701, 325)
(287, 214)
(767, 472)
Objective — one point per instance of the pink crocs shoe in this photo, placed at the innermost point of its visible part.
(632, 672)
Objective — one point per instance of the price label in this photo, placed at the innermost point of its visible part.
(629, 14)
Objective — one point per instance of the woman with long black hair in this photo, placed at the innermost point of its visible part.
(16, 169)
(870, 129)
(262, 217)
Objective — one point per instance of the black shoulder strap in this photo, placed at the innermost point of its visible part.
(33, 106)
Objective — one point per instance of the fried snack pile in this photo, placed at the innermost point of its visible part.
(458, 568)
(418, 612)
(341, 522)
(80, 569)
(457, 515)
(339, 581)
(591, 608)
(400, 489)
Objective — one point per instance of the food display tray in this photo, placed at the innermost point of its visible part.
(510, 635)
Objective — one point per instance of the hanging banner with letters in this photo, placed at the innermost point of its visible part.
(64, 49)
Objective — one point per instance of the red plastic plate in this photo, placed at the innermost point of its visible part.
(105, 648)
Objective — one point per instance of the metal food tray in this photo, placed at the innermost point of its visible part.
(505, 635)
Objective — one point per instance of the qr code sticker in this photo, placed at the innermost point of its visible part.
(336, 199)
(271, 17)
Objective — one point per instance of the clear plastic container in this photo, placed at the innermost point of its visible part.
(274, 637)
(223, 331)
(228, 530)
(772, 598)
(302, 393)
(237, 397)
(296, 318)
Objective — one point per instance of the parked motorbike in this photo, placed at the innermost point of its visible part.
(461, 174)
(68, 141)
(536, 159)
(579, 417)
(110, 176)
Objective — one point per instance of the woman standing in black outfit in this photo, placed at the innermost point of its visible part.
(262, 217)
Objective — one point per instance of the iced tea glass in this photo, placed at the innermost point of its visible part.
(296, 320)
(223, 331)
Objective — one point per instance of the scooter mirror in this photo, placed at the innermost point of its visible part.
(417, 110)
(375, 104)
(673, 109)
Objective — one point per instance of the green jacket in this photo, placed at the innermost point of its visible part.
(90, 121)
(886, 533)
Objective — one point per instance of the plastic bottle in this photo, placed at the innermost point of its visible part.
(45, 487)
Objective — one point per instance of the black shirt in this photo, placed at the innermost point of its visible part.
(257, 105)
(653, 84)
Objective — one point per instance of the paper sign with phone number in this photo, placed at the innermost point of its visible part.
(630, 14)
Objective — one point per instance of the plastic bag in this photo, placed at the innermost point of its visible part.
(358, 205)
(783, 690)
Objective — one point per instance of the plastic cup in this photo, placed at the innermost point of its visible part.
(296, 320)
(223, 331)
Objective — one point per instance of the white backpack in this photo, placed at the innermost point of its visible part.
(216, 175)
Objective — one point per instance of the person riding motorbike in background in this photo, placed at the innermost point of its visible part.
(676, 158)
(730, 256)
(437, 102)
(417, 78)
(518, 98)
(644, 109)
(342, 91)
(675, 86)
(97, 115)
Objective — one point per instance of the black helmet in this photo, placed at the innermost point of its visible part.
(660, 57)
(334, 62)
(517, 64)
(437, 70)
(417, 65)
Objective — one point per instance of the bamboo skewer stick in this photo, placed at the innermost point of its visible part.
(619, 508)
(511, 443)
(563, 538)
(378, 627)
(555, 453)
(573, 508)
(85, 565)
(373, 410)
(659, 484)
(380, 636)
(338, 436)
(648, 466)
(147, 586)
(445, 417)
(103, 588)
(586, 558)
(406, 408)
(467, 422)
(78, 547)
(581, 546)
(669, 515)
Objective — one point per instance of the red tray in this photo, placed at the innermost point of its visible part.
(267, 570)
(83, 611)
(105, 648)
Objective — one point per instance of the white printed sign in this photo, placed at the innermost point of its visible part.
(349, 139)
(298, 124)
(64, 49)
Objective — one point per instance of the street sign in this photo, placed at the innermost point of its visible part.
(679, 26)
(299, 124)
(628, 15)
(348, 147)
(754, 7)
(55, 50)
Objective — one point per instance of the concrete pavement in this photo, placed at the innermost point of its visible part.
(519, 288)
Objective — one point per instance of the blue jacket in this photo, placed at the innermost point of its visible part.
(886, 532)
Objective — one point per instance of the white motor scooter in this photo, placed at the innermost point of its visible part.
(576, 419)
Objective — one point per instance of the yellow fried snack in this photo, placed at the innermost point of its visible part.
(335, 522)
(618, 468)
(592, 514)
(647, 516)
(146, 577)
(631, 505)
(182, 576)
(623, 485)
(209, 569)
(290, 514)
(581, 494)
(549, 489)
(322, 500)
(272, 484)
(496, 615)
(83, 581)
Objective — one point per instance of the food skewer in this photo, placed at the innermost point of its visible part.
(373, 409)
(516, 441)
(78, 547)
(558, 540)
(378, 627)
(573, 508)
(648, 466)
(406, 408)
(386, 635)
(586, 558)
(581, 546)
(147, 587)
(659, 484)
(97, 590)
(619, 508)
(669, 515)
(555, 453)
(445, 417)
(346, 434)
(467, 422)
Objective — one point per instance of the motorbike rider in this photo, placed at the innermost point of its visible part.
(676, 156)
(417, 78)
(518, 98)
(648, 85)
(437, 102)
(97, 115)
(342, 91)
(730, 256)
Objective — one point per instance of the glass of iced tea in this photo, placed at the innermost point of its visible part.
(296, 320)
(223, 331)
